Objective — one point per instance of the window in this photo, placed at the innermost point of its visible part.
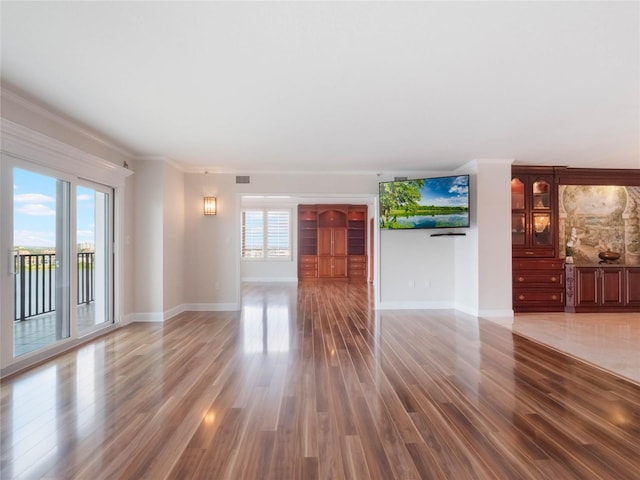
(266, 234)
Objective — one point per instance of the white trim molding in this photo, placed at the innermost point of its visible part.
(212, 307)
(269, 279)
(26, 144)
(151, 317)
(22, 144)
(414, 305)
(8, 94)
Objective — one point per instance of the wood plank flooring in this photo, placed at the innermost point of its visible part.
(309, 382)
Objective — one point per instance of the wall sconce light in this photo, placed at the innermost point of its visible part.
(210, 206)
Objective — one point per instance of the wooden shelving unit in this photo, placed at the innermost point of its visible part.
(332, 242)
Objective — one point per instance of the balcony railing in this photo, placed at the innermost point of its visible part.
(35, 283)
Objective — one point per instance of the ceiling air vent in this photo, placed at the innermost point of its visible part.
(242, 179)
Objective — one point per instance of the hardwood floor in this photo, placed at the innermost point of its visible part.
(309, 382)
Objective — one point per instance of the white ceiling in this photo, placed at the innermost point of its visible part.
(339, 86)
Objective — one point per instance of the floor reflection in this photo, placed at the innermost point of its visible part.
(265, 330)
(33, 432)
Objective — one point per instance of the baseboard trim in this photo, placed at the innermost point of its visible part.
(211, 307)
(415, 306)
(270, 279)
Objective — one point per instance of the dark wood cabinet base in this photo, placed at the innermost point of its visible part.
(603, 288)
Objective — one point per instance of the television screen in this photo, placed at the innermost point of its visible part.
(441, 202)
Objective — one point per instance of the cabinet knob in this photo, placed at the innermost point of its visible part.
(554, 297)
(521, 297)
(529, 253)
(521, 279)
(554, 279)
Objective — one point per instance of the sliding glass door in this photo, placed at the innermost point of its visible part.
(58, 235)
(93, 234)
(41, 250)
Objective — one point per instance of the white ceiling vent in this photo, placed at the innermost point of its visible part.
(243, 179)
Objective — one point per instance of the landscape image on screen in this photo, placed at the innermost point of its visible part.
(441, 202)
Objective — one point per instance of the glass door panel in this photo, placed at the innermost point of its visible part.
(542, 229)
(41, 249)
(541, 194)
(517, 229)
(517, 194)
(93, 292)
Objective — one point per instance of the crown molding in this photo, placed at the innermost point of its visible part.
(159, 158)
(23, 143)
(8, 94)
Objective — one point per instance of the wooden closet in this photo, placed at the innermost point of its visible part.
(332, 242)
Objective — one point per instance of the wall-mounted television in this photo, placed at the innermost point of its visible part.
(438, 202)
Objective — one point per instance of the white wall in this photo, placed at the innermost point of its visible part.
(494, 239)
(466, 250)
(483, 257)
(416, 270)
(148, 238)
(173, 235)
(211, 280)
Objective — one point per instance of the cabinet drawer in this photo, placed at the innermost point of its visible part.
(534, 253)
(308, 260)
(522, 297)
(538, 277)
(537, 264)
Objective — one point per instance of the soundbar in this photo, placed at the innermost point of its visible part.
(449, 234)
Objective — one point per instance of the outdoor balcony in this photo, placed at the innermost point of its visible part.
(35, 324)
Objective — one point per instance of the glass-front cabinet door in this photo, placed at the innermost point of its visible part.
(532, 214)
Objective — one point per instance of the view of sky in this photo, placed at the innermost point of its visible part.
(34, 206)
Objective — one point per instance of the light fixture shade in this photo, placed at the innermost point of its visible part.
(210, 206)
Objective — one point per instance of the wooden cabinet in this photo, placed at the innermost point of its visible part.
(603, 288)
(332, 244)
(533, 212)
(537, 273)
(632, 287)
(307, 266)
(357, 243)
(356, 230)
(332, 241)
(307, 230)
(538, 285)
(332, 267)
(537, 221)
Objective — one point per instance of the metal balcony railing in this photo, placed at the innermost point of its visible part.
(35, 283)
